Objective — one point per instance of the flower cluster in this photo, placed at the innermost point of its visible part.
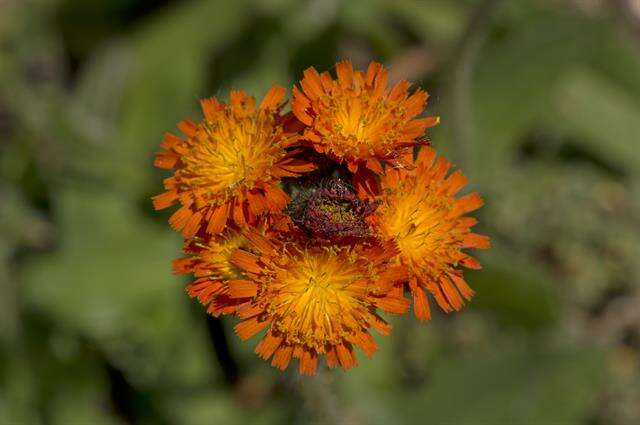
(307, 224)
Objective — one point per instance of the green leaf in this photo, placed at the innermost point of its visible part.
(436, 21)
(165, 63)
(519, 296)
(601, 115)
(110, 279)
(525, 385)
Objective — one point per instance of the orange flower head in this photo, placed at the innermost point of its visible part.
(209, 262)
(228, 166)
(314, 300)
(418, 210)
(356, 119)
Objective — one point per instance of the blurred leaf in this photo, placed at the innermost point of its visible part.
(511, 380)
(98, 93)
(603, 116)
(270, 68)
(224, 408)
(435, 21)
(42, 385)
(549, 215)
(81, 397)
(18, 392)
(524, 385)
(517, 296)
(515, 80)
(111, 279)
(20, 226)
(168, 72)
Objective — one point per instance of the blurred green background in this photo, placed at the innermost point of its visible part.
(540, 106)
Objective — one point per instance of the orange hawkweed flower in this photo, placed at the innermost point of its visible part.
(314, 300)
(356, 119)
(419, 211)
(228, 166)
(208, 261)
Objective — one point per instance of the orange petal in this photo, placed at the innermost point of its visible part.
(218, 219)
(365, 341)
(238, 213)
(455, 182)
(204, 290)
(260, 243)
(346, 356)
(399, 90)
(467, 222)
(420, 303)
(426, 157)
(468, 203)
(366, 183)
(268, 345)
(438, 293)
(311, 83)
(256, 202)
(380, 83)
(332, 358)
(441, 168)
(300, 105)
(474, 240)
(308, 363)
(188, 127)
(374, 165)
(242, 288)
(273, 97)
(210, 108)
(372, 71)
(277, 199)
(250, 327)
(451, 293)
(180, 218)
(282, 357)
(192, 226)
(462, 286)
(471, 263)
(344, 70)
(245, 260)
(182, 265)
(380, 325)
(297, 165)
(393, 304)
(164, 200)
(170, 141)
(165, 160)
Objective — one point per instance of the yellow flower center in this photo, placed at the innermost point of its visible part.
(319, 299)
(232, 152)
(355, 121)
(419, 222)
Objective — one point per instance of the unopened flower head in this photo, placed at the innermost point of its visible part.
(332, 211)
